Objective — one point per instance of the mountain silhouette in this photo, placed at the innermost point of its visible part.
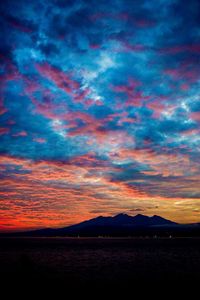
(120, 225)
(123, 220)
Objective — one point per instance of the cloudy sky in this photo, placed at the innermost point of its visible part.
(99, 110)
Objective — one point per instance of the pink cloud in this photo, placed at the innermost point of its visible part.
(136, 99)
(95, 46)
(144, 23)
(19, 25)
(184, 87)
(157, 106)
(166, 164)
(65, 82)
(40, 140)
(135, 48)
(184, 72)
(3, 109)
(4, 130)
(61, 79)
(21, 133)
(195, 48)
(195, 116)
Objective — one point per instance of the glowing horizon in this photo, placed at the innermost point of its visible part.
(99, 111)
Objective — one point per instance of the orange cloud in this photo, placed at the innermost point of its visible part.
(166, 164)
(55, 194)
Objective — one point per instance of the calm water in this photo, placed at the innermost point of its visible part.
(100, 261)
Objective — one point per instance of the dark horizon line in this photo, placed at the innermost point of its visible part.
(100, 216)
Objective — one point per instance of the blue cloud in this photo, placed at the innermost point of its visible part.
(82, 77)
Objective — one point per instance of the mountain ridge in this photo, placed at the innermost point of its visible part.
(123, 220)
(119, 225)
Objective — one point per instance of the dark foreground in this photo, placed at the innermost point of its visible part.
(100, 262)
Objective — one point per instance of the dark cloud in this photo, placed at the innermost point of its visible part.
(110, 90)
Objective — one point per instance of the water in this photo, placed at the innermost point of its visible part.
(100, 261)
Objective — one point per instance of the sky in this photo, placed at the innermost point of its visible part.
(99, 110)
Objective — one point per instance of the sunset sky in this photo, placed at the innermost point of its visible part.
(99, 110)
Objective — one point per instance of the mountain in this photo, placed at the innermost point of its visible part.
(119, 225)
(122, 220)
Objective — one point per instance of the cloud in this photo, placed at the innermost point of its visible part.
(99, 109)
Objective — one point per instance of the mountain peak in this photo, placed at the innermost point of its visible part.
(156, 216)
(140, 216)
(121, 223)
(157, 220)
(121, 215)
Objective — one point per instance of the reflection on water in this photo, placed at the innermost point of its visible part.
(88, 260)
